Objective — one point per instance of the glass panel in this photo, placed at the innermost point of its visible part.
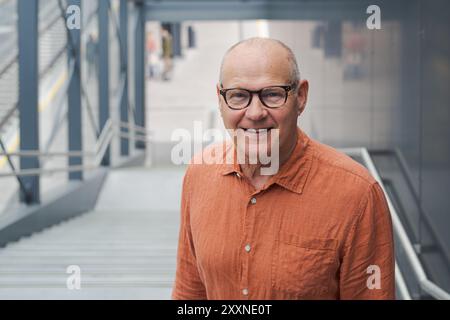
(53, 74)
(435, 146)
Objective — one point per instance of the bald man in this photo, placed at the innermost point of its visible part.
(318, 227)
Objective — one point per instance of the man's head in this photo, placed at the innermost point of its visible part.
(254, 64)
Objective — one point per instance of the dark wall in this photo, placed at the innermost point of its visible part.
(435, 121)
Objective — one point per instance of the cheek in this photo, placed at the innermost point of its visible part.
(230, 118)
(286, 118)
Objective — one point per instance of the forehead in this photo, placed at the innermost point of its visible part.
(256, 66)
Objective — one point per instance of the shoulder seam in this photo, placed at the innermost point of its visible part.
(343, 169)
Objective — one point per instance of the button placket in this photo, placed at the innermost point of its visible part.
(248, 244)
(245, 262)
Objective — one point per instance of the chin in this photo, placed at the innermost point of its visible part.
(254, 152)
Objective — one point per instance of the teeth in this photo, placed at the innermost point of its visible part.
(256, 130)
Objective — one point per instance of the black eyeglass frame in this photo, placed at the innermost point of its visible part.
(287, 88)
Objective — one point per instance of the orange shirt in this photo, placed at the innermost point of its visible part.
(319, 229)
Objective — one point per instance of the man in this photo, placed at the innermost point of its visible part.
(319, 228)
(167, 53)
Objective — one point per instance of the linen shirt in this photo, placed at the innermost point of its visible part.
(320, 228)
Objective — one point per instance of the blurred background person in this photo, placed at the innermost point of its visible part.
(167, 53)
(152, 57)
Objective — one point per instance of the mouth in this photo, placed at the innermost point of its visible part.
(256, 130)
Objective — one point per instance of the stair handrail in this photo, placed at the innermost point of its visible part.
(419, 272)
(109, 131)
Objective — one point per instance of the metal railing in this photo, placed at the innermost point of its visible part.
(110, 130)
(425, 284)
(409, 180)
(14, 170)
(400, 284)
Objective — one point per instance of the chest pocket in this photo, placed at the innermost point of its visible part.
(303, 267)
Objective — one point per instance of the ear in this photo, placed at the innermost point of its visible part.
(218, 90)
(302, 95)
(219, 100)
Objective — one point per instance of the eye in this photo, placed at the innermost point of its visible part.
(273, 93)
(237, 95)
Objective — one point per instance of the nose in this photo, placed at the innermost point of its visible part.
(256, 111)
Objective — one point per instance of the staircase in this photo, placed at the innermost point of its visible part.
(125, 248)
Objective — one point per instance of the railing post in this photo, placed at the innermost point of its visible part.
(74, 98)
(124, 144)
(176, 36)
(191, 37)
(139, 70)
(29, 94)
(103, 68)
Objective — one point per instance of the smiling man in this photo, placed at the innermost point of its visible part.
(317, 228)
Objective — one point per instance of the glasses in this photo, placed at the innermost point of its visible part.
(271, 97)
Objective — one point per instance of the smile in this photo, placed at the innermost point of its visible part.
(254, 130)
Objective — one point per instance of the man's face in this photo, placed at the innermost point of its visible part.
(253, 69)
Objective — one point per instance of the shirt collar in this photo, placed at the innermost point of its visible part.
(293, 173)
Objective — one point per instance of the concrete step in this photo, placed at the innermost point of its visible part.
(85, 293)
(125, 249)
(88, 269)
(114, 250)
(155, 281)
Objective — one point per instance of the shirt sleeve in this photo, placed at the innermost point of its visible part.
(368, 264)
(188, 284)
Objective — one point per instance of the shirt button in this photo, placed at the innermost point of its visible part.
(253, 200)
(245, 292)
(247, 248)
